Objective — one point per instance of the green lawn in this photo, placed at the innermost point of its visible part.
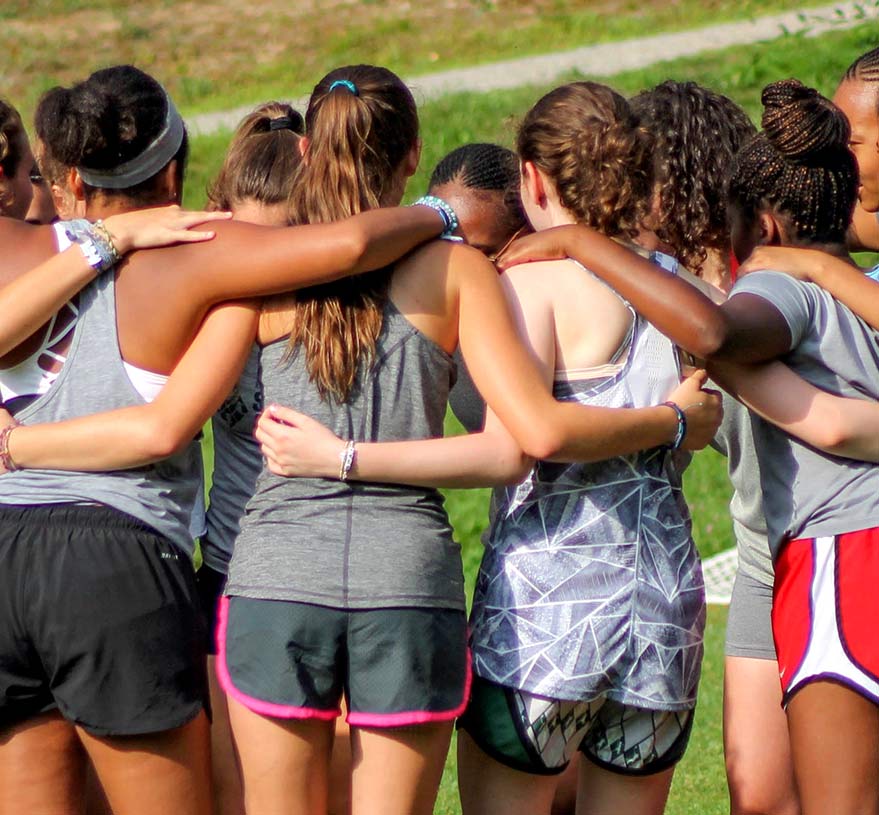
(222, 54)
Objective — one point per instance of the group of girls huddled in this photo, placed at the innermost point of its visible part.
(324, 329)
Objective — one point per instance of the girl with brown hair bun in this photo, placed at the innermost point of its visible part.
(795, 184)
(564, 542)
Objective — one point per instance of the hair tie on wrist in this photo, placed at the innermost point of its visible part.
(681, 432)
(5, 458)
(345, 83)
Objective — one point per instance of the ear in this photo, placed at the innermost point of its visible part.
(75, 183)
(772, 232)
(413, 158)
(171, 183)
(302, 144)
(532, 184)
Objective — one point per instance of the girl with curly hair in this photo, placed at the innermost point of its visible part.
(794, 184)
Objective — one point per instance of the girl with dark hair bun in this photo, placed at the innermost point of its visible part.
(794, 184)
(113, 611)
(563, 541)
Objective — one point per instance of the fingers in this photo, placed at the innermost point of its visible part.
(286, 415)
(699, 377)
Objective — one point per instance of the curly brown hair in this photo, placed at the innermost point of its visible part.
(695, 134)
(587, 139)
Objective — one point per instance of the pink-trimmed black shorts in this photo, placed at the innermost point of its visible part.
(396, 666)
(824, 612)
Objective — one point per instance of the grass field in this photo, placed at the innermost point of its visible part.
(699, 787)
(223, 53)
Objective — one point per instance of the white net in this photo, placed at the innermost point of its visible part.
(719, 572)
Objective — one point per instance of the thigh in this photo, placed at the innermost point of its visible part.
(606, 792)
(756, 742)
(284, 762)
(167, 771)
(749, 622)
(225, 770)
(488, 787)
(42, 768)
(397, 771)
(834, 733)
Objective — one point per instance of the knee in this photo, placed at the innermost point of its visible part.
(757, 799)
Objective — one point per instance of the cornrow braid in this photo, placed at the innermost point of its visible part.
(865, 68)
(587, 139)
(478, 166)
(799, 164)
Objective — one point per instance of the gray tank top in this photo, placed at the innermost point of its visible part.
(237, 464)
(92, 380)
(590, 584)
(355, 545)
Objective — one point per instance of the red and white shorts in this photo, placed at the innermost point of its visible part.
(824, 612)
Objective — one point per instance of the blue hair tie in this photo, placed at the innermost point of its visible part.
(345, 83)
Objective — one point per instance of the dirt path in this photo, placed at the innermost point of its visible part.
(605, 59)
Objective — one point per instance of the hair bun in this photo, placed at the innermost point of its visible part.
(801, 124)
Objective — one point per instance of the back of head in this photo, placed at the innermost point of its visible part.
(585, 137)
(118, 128)
(361, 125)
(13, 139)
(695, 134)
(488, 172)
(262, 158)
(799, 165)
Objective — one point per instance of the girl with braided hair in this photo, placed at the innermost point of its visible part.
(793, 184)
(575, 551)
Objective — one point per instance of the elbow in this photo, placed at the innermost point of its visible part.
(159, 440)
(711, 341)
(542, 443)
(516, 467)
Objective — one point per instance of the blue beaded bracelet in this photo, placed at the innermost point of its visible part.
(450, 219)
(682, 426)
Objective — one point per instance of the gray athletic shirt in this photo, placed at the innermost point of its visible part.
(93, 379)
(357, 544)
(807, 493)
(237, 464)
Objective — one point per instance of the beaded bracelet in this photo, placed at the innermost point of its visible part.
(6, 461)
(682, 426)
(346, 460)
(95, 243)
(450, 219)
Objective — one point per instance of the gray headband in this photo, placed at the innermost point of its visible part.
(156, 155)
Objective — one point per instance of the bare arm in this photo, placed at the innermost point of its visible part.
(834, 424)
(745, 328)
(32, 298)
(133, 436)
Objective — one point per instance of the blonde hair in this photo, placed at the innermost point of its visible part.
(361, 123)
